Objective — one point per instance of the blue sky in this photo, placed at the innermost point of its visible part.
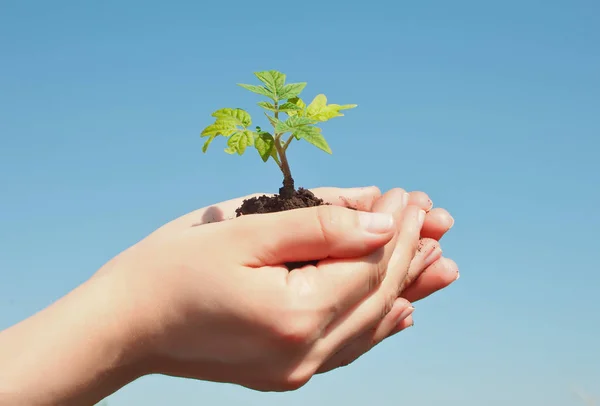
(490, 107)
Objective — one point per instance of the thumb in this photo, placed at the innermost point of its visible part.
(312, 233)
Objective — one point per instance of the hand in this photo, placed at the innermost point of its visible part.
(212, 302)
(429, 271)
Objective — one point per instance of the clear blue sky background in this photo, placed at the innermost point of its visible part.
(490, 107)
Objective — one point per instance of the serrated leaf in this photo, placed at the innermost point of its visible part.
(292, 123)
(264, 143)
(236, 116)
(297, 101)
(259, 90)
(296, 121)
(316, 105)
(301, 107)
(281, 128)
(272, 120)
(266, 105)
(319, 110)
(291, 90)
(239, 141)
(313, 135)
(225, 128)
(273, 80)
(207, 143)
(287, 107)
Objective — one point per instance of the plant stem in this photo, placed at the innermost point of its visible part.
(287, 143)
(288, 188)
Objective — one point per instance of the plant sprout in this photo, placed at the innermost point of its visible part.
(300, 123)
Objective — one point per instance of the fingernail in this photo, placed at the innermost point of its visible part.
(451, 224)
(405, 313)
(377, 223)
(421, 217)
(452, 267)
(405, 198)
(397, 200)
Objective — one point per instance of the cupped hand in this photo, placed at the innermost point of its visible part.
(213, 302)
(430, 271)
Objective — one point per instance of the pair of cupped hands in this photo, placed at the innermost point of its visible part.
(213, 300)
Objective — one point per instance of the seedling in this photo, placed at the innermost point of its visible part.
(300, 123)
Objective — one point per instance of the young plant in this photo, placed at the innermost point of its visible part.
(300, 123)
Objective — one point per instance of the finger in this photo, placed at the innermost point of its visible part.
(437, 223)
(420, 199)
(403, 325)
(399, 314)
(316, 233)
(398, 318)
(428, 251)
(368, 313)
(411, 221)
(360, 198)
(437, 276)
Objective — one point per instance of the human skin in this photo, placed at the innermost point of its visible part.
(201, 301)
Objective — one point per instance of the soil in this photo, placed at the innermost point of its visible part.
(271, 204)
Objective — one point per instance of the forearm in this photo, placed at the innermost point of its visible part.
(75, 352)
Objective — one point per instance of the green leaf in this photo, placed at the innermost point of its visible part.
(313, 135)
(236, 116)
(225, 128)
(281, 127)
(239, 141)
(273, 80)
(264, 143)
(259, 90)
(275, 156)
(207, 143)
(291, 90)
(266, 105)
(319, 110)
(274, 121)
(292, 123)
(301, 107)
(318, 103)
(287, 107)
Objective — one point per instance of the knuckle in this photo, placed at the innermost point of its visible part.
(296, 331)
(377, 275)
(388, 302)
(298, 377)
(296, 327)
(333, 220)
(370, 339)
(373, 341)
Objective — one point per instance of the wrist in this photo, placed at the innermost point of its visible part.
(77, 351)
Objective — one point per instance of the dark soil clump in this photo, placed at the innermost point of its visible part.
(272, 204)
(301, 198)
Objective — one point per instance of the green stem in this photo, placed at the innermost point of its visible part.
(288, 188)
(287, 143)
